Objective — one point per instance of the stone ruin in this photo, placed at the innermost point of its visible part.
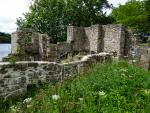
(39, 61)
(114, 38)
(31, 46)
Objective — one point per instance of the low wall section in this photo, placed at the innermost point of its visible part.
(14, 79)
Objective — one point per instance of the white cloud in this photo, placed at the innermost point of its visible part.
(9, 11)
(117, 2)
(12, 9)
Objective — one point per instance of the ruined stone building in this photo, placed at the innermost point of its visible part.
(114, 38)
(30, 45)
(42, 59)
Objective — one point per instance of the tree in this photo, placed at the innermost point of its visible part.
(147, 4)
(147, 8)
(5, 37)
(132, 14)
(53, 16)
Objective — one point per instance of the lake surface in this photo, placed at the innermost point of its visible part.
(5, 49)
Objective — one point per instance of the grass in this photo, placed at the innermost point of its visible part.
(106, 88)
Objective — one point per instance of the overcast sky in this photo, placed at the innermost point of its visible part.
(12, 9)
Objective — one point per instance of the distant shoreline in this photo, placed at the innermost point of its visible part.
(5, 43)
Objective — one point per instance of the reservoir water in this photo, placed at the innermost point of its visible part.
(5, 49)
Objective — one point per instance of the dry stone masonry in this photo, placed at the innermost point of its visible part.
(14, 79)
(31, 46)
(98, 38)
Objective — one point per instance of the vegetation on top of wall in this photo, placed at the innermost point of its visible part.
(5, 38)
(107, 88)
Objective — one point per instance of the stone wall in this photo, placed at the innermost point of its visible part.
(80, 40)
(14, 79)
(94, 35)
(32, 46)
(145, 58)
(114, 39)
(141, 54)
(99, 38)
(57, 52)
(14, 44)
(77, 37)
(88, 39)
(28, 45)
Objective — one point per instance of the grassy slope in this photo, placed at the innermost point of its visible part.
(109, 88)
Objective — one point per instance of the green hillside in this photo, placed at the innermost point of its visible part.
(107, 88)
(5, 38)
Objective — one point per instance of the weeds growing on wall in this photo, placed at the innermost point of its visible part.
(107, 88)
(12, 60)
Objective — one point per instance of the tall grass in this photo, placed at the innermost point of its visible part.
(106, 88)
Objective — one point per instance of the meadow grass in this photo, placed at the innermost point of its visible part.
(105, 88)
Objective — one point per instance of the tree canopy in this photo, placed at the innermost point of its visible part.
(53, 16)
(5, 37)
(147, 8)
(132, 14)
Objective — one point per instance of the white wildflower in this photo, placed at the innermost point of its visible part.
(101, 93)
(29, 106)
(123, 74)
(14, 108)
(27, 100)
(147, 91)
(81, 99)
(85, 58)
(123, 70)
(134, 61)
(55, 97)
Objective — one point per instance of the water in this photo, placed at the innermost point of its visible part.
(5, 49)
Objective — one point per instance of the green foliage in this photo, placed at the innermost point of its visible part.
(5, 38)
(147, 4)
(28, 38)
(12, 60)
(132, 14)
(53, 16)
(147, 8)
(108, 88)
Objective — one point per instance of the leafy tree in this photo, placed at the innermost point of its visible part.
(132, 14)
(147, 8)
(5, 37)
(53, 16)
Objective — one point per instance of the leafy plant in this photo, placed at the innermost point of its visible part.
(12, 60)
(28, 38)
